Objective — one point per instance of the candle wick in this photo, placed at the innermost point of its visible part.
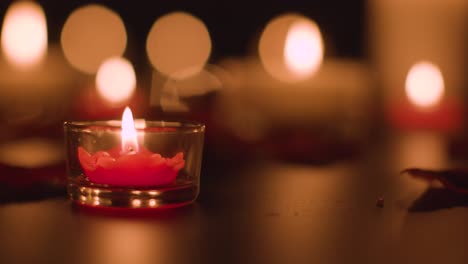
(129, 149)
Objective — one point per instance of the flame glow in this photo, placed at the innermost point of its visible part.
(115, 80)
(290, 48)
(129, 133)
(424, 84)
(24, 34)
(303, 50)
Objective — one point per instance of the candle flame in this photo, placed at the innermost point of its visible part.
(129, 133)
(424, 84)
(303, 50)
(24, 34)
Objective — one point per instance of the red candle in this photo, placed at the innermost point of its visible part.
(130, 164)
(114, 88)
(90, 105)
(425, 106)
(445, 117)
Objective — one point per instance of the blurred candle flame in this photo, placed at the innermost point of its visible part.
(129, 133)
(116, 80)
(290, 48)
(178, 45)
(303, 50)
(424, 84)
(91, 34)
(24, 34)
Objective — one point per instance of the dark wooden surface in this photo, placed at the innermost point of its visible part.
(262, 212)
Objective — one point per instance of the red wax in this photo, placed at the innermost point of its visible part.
(446, 116)
(142, 168)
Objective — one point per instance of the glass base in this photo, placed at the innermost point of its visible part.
(83, 192)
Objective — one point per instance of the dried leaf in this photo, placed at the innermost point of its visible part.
(455, 179)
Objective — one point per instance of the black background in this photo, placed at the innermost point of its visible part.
(233, 25)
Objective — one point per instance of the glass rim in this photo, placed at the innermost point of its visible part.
(150, 126)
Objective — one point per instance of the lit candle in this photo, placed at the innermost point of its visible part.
(130, 164)
(115, 87)
(94, 40)
(292, 83)
(133, 164)
(426, 105)
(30, 71)
(403, 32)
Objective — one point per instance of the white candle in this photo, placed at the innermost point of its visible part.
(293, 84)
(33, 76)
(340, 89)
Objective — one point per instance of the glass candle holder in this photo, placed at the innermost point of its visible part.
(161, 170)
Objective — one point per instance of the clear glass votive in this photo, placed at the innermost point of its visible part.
(161, 171)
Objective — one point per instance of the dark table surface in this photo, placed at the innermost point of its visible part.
(264, 212)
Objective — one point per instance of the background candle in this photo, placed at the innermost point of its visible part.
(94, 40)
(292, 84)
(290, 102)
(320, 98)
(426, 105)
(34, 78)
(404, 32)
(114, 88)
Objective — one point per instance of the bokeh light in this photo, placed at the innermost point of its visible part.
(424, 84)
(178, 45)
(24, 34)
(303, 50)
(92, 34)
(290, 48)
(116, 80)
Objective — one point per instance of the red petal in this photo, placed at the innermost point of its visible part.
(105, 161)
(141, 169)
(86, 160)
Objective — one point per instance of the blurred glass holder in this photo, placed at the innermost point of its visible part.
(162, 171)
(31, 168)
